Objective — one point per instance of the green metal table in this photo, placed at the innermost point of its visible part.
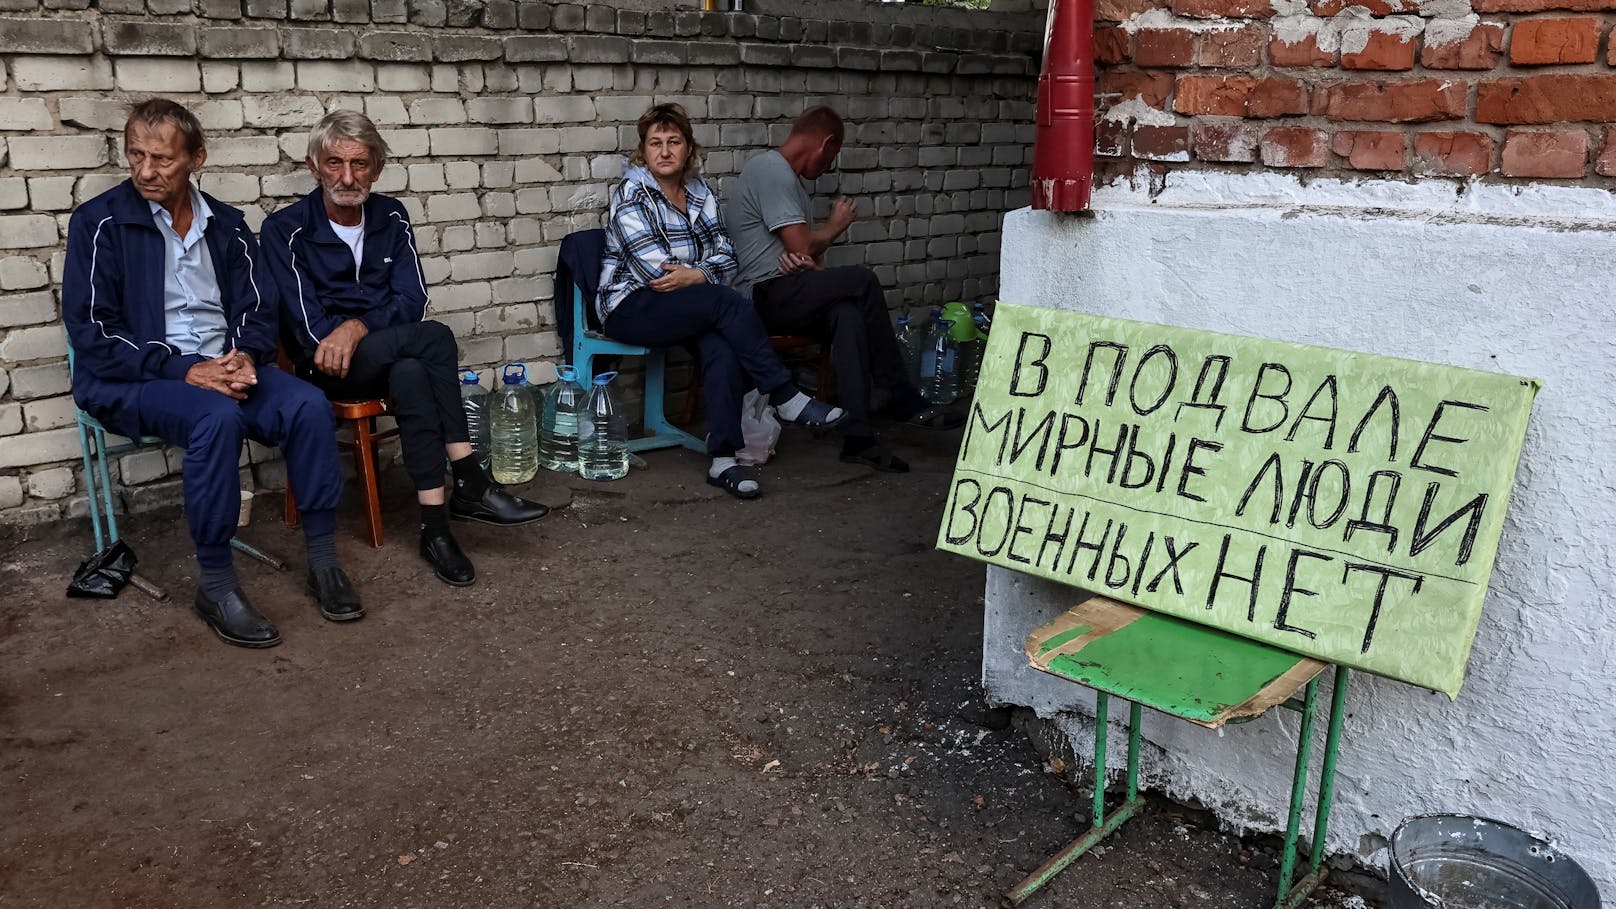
(1199, 674)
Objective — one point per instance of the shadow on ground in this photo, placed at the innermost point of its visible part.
(655, 696)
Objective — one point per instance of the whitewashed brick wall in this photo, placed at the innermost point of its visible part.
(508, 121)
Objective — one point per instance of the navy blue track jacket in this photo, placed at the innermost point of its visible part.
(112, 300)
(320, 285)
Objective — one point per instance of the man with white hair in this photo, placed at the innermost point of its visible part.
(353, 304)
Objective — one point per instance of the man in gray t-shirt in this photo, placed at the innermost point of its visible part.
(781, 253)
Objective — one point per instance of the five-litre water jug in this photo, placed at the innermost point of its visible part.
(474, 398)
(979, 344)
(942, 386)
(602, 434)
(515, 429)
(912, 343)
(558, 421)
(927, 370)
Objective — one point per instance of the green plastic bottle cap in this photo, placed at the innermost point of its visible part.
(960, 314)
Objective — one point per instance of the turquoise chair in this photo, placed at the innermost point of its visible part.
(94, 449)
(587, 344)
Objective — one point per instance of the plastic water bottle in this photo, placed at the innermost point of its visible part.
(602, 434)
(558, 422)
(943, 385)
(474, 398)
(926, 370)
(912, 342)
(979, 344)
(514, 429)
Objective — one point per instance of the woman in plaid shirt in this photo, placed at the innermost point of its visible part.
(665, 281)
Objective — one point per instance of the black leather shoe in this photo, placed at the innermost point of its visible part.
(496, 507)
(447, 561)
(335, 595)
(235, 620)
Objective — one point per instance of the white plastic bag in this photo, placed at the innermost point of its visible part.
(760, 429)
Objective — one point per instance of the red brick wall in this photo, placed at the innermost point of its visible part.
(1518, 90)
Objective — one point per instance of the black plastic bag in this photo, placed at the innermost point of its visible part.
(102, 575)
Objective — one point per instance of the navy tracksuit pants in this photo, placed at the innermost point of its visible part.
(281, 410)
(729, 338)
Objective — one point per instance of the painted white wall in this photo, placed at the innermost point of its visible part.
(1508, 279)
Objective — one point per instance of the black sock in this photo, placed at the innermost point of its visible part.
(435, 520)
(783, 394)
(218, 579)
(469, 479)
(322, 551)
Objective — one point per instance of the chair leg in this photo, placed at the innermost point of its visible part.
(365, 453)
(90, 485)
(289, 505)
(107, 512)
(827, 390)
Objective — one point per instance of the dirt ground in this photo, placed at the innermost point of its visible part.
(655, 696)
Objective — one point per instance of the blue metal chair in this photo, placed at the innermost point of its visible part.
(93, 449)
(588, 343)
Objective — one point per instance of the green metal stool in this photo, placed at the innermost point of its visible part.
(1200, 674)
(93, 450)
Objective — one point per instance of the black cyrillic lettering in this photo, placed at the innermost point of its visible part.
(1431, 436)
(1174, 556)
(1277, 397)
(1047, 344)
(1252, 583)
(1344, 488)
(1210, 395)
(987, 505)
(1190, 469)
(1291, 588)
(1386, 574)
(1121, 351)
(1167, 385)
(978, 417)
(1328, 418)
(1277, 481)
(969, 508)
(1423, 539)
(1021, 529)
(1384, 525)
(1388, 397)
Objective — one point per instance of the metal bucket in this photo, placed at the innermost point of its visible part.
(1450, 861)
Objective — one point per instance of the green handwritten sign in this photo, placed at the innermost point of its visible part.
(1342, 505)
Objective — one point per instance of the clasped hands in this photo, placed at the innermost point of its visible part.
(676, 276)
(233, 374)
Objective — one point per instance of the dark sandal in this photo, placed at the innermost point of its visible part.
(730, 481)
(938, 418)
(878, 456)
(816, 416)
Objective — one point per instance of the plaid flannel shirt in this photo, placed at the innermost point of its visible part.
(644, 230)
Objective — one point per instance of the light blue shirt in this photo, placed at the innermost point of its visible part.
(193, 310)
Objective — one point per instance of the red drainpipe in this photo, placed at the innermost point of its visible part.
(1063, 153)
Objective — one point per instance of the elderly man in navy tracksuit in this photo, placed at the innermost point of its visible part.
(172, 314)
(353, 304)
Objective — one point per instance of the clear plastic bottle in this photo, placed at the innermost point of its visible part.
(979, 344)
(943, 384)
(602, 434)
(558, 422)
(514, 429)
(474, 398)
(912, 343)
(926, 370)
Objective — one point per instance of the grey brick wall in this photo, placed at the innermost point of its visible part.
(509, 121)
